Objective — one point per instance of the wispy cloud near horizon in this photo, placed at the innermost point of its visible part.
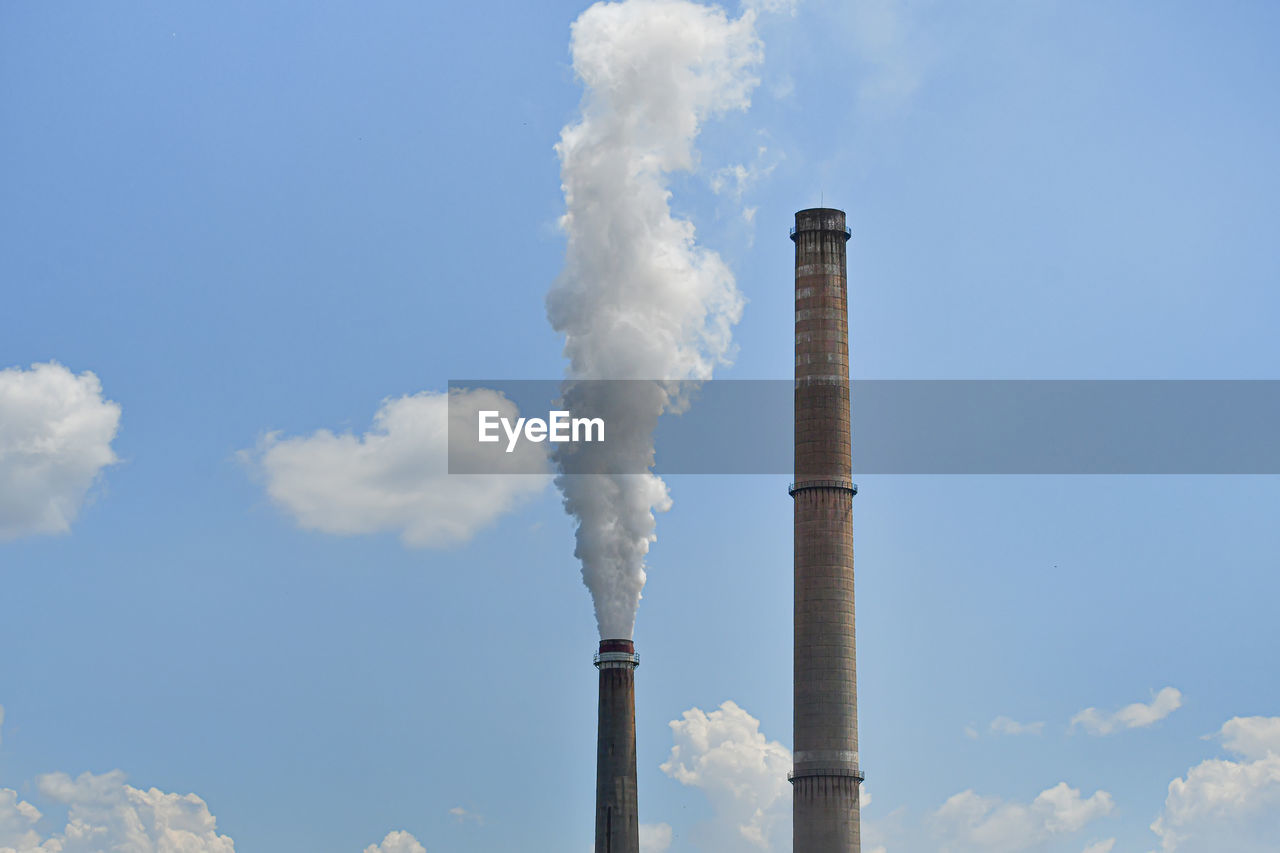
(1008, 726)
(1134, 716)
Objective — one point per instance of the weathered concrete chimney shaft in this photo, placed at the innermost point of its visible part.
(617, 818)
(826, 774)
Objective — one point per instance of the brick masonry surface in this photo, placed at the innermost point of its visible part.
(825, 791)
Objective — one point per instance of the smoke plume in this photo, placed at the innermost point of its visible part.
(638, 298)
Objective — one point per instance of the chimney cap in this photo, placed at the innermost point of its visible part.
(820, 219)
(616, 654)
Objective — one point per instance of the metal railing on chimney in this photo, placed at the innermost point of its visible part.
(848, 232)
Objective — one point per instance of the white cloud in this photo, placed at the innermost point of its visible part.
(17, 823)
(1228, 805)
(1007, 726)
(462, 815)
(1132, 716)
(1252, 737)
(104, 813)
(55, 438)
(395, 476)
(776, 7)
(1101, 846)
(397, 842)
(655, 837)
(891, 831)
(743, 774)
(739, 178)
(970, 822)
(784, 87)
(736, 180)
(890, 46)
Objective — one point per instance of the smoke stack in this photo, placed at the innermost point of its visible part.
(617, 818)
(826, 773)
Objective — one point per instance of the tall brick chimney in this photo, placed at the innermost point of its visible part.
(826, 775)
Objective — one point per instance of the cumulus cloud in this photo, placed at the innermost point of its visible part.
(17, 823)
(1254, 737)
(655, 837)
(105, 813)
(742, 773)
(971, 822)
(56, 431)
(1007, 726)
(395, 476)
(1101, 846)
(1224, 804)
(1133, 716)
(397, 842)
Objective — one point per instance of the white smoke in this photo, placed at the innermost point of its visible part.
(638, 298)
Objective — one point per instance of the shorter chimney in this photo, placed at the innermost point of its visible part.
(617, 818)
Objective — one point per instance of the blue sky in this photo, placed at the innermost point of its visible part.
(270, 219)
